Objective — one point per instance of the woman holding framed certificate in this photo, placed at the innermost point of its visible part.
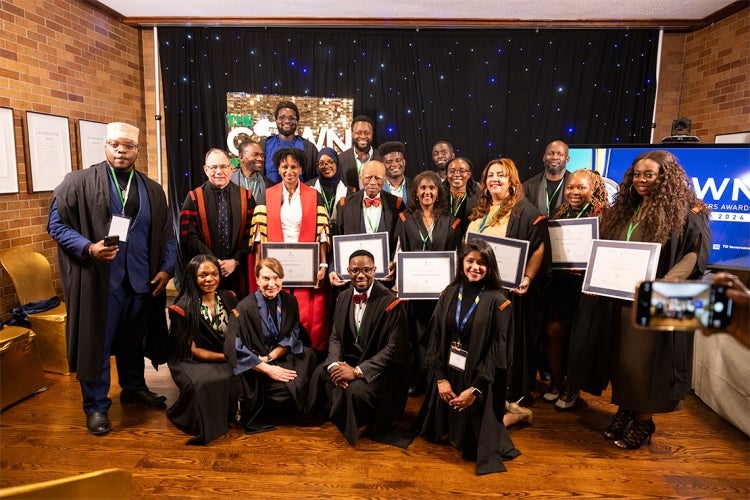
(426, 226)
(651, 370)
(296, 213)
(585, 196)
(502, 210)
(468, 359)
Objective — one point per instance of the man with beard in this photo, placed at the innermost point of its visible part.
(442, 153)
(546, 189)
(363, 129)
(250, 174)
(287, 116)
(117, 251)
(364, 377)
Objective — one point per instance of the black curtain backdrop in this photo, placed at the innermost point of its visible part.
(490, 93)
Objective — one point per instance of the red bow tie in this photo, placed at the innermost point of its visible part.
(359, 298)
(369, 202)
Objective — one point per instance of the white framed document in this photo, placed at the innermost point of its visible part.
(47, 151)
(511, 255)
(92, 138)
(616, 267)
(423, 275)
(8, 165)
(570, 241)
(299, 260)
(346, 244)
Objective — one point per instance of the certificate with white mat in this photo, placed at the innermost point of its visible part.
(616, 267)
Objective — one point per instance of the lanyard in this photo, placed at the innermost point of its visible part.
(461, 324)
(425, 238)
(554, 195)
(461, 200)
(123, 194)
(484, 224)
(329, 204)
(581, 212)
(246, 181)
(631, 226)
(372, 227)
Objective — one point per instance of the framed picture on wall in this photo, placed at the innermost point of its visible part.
(47, 149)
(8, 166)
(92, 137)
(733, 138)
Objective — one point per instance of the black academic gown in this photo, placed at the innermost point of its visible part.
(382, 353)
(482, 436)
(260, 392)
(83, 203)
(526, 223)
(208, 391)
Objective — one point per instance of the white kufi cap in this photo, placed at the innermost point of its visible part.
(119, 130)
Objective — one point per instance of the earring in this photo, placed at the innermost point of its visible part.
(512, 190)
(633, 193)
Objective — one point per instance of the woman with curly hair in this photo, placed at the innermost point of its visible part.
(427, 225)
(584, 196)
(651, 370)
(502, 210)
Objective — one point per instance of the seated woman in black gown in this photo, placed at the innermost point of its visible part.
(264, 343)
(468, 356)
(198, 320)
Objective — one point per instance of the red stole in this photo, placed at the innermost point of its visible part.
(308, 227)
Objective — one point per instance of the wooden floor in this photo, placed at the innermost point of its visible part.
(694, 453)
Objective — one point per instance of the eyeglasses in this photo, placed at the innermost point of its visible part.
(286, 118)
(127, 146)
(214, 168)
(453, 171)
(329, 163)
(353, 271)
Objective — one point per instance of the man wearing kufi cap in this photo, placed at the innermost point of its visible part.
(115, 291)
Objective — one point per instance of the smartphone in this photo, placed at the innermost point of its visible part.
(686, 305)
(111, 241)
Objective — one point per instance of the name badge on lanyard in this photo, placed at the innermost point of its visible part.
(457, 357)
(119, 226)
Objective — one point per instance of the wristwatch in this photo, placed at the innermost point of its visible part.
(475, 392)
(270, 359)
(358, 372)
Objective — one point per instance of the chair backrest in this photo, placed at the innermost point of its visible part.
(31, 274)
(100, 485)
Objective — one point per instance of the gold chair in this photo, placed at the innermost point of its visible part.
(21, 372)
(31, 274)
(100, 485)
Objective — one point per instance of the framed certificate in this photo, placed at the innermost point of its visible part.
(299, 260)
(423, 275)
(511, 255)
(8, 166)
(47, 151)
(570, 241)
(616, 267)
(345, 245)
(92, 137)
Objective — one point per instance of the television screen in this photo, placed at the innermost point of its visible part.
(721, 178)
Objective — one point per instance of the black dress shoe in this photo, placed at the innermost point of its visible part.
(144, 397)
(98, 423)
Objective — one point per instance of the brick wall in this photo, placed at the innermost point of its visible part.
(62, 57)
(66, 58)
(716, 75)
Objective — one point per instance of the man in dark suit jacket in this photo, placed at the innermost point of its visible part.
(351, 160)
(546, 190)
(368, 211)
(206, 228)
(364, 376)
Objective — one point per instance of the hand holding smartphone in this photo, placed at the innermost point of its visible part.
(687, 305)
(111, 241)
